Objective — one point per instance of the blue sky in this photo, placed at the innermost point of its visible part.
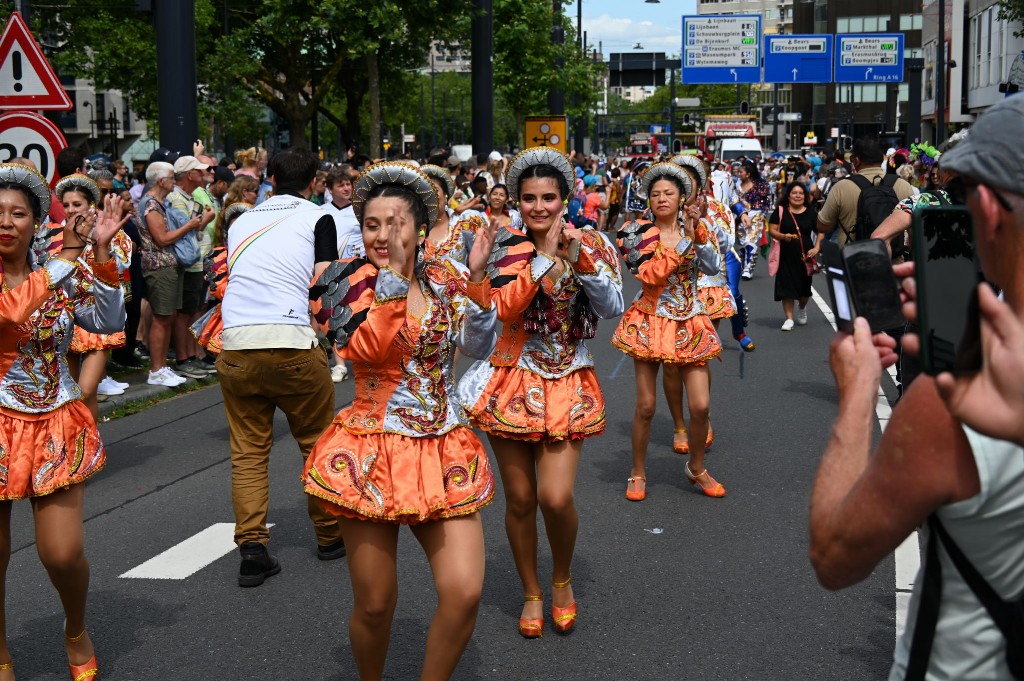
(618, 24)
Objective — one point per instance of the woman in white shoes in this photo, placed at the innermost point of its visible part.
(793, 224)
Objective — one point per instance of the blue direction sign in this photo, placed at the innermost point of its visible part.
(798, 59)
(869, 58)
(721, 48)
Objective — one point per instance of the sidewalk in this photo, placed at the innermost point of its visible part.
(140, 391)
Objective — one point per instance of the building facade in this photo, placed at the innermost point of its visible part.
(851, 110)
(99, 121)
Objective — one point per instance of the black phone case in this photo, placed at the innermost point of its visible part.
(873, 285)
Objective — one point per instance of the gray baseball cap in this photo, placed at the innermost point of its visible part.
(989, 153)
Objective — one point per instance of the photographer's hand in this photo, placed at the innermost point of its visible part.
(992, 400)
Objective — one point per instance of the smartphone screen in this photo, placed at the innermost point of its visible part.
(947, 273)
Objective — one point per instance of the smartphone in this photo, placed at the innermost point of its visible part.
(947, 272)
(861, 283)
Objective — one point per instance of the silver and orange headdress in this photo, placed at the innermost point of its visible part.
(667, 169)
(441, 175)
(402, 175)
(691, 161)
(536, 156)
(27, 177)
(78, 182)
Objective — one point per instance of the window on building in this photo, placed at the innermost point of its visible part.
(976, 31)
(842, 25)
(911, 22)
(904, 92)
(913, 53)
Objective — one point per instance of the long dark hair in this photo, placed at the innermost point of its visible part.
(752, 171)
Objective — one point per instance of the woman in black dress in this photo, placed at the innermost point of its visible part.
(793, 224)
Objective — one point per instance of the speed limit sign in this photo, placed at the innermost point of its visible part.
(29, 135)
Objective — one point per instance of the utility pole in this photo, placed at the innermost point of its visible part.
(176, 74)
(433, 116)
(482, 77)
(940, 78)
(672, 109)
(556, 98)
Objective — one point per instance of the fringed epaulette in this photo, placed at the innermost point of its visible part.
(336, 290)
(634, 241)
(511, 246)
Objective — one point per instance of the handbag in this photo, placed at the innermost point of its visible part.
(812, 265)
(774, 251)
(186, 249)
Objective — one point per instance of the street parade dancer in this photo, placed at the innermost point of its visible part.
(756, 203)
(712, 290)
(209, 328)
(451, 235)
(49, 442)
(537, 397)
(666, 324)
(402, 452)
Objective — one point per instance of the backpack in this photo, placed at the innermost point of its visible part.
(1008, 616)
(824, 194)
(875, 204)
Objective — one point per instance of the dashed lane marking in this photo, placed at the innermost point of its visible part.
(908, 554)
(190, 556)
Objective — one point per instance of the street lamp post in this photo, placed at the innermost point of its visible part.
(483, 77)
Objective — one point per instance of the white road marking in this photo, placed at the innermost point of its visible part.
(908, 554)
(190, 556)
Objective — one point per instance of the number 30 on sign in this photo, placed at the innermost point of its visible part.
(28, 135)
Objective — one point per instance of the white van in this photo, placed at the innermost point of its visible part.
(731, 148)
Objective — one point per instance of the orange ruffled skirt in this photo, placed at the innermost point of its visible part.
(43, 453)
(209, 329)
(717, 302)
(651, 338)
(84, 341)
(520, 405)
(396, 478)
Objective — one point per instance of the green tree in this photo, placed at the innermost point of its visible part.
(524, 59)
(1013, 11)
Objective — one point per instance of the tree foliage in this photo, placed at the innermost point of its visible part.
(1013, 11)
(525, 58)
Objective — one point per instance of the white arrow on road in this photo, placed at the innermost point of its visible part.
(794, 74)
(734, 76)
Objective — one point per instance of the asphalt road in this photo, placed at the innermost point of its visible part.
(676, 587)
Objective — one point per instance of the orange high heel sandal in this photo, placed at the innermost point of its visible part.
(565, 618)
(684, 446)
(636, 488)
(531, 628)
(81, 672)
(708, 485)
(677, 446)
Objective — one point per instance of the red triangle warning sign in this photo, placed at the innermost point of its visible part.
(26, 79)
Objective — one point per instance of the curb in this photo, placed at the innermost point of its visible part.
(142, 391)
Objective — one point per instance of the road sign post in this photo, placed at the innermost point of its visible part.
(31, 136)
(869, 58)
(798, 58)
(721, 49)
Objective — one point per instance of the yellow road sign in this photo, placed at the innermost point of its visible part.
(547, 131)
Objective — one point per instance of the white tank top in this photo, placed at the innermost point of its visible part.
(989, 529)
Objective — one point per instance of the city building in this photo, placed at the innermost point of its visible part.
(777, 15)
(981, 49)
(449, 58)
(856, 109)
(99, 122)
(634, 93)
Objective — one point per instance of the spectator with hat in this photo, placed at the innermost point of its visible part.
(190, 176)
(930, 468)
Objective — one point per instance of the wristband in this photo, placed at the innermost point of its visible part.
(739, 208)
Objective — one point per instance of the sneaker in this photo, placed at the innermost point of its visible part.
(339, 373)
(128, 361)
(119, 384)
(209, 363)
(108, 386)
(165, 377)
(787, 325)
(747, 343)
(257, 564)
(331, 551)
(141, 351)
(747, 274)
(801, 316)
(190, 369)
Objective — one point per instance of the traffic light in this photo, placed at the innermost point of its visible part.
(687, 119)
(744, 107)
